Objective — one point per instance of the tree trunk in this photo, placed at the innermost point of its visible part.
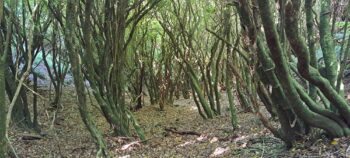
(20, 114)
(140, 88)
(327, 43)
(78, 78)
(311, 43)
(3, 142)
(302, 111)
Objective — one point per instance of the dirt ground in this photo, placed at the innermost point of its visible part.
(66, 136)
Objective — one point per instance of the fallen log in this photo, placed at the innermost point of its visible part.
(174, 130)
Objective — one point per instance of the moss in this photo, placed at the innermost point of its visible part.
(310, 73)
(327, 43)
(282, 73)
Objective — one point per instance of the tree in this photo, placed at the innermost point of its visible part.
(110, 53)
(291, 94)
(3, 142)
(78, 75)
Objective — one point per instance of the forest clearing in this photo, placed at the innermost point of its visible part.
(174, 78)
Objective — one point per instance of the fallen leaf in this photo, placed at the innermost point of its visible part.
(186, 143)
(215, 139)
(219, 151)
(130, 146)
(202, 138)
(334, 142)
(347, 152)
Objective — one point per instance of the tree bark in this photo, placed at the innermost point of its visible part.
(77, 74)
(3, 142)
(327, 43)
(283, 75)
(308, 72)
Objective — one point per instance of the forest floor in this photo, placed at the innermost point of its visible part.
(178, 131)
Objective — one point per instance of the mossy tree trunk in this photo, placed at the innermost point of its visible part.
(70, 42)
(311, 42)
(288, 97)
(327, 42)
(5, 38)
(104, 39)
(20, 115)
(310, 73)
(3, 142)
(302, 110)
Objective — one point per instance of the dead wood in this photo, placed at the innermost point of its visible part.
(174, 130)
(30, 137)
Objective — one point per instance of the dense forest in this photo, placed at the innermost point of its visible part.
(174, 78)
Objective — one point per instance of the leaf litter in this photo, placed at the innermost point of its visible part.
(67, 136)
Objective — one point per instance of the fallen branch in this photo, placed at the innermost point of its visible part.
(228, 138)
(174, 130)
(31, 137)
